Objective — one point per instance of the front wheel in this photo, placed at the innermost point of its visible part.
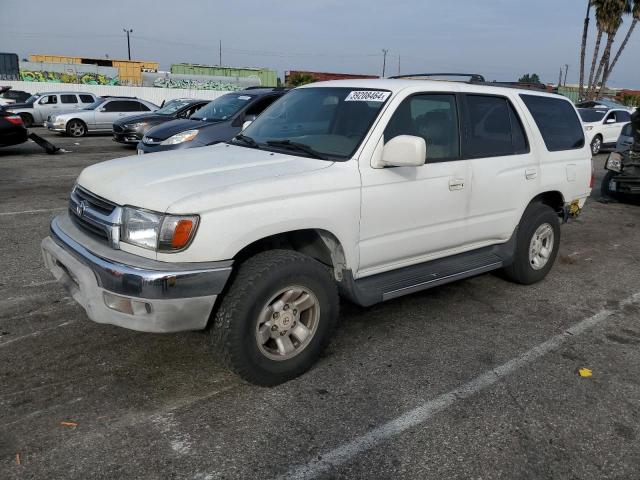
(537, 242)
(76, 128)
(276, 318)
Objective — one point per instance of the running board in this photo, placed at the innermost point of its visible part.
(396, 283)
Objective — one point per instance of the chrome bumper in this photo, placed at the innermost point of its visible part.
(52, 127)
(122, 289)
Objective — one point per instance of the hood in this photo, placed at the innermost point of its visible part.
(169, 129)
(161, 180)
(144, 117)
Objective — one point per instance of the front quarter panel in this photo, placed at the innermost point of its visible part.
(326, 199)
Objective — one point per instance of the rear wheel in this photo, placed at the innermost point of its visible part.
(537, 243)
(596, 145)
(27, 119)
(276, 318)
(76, 128)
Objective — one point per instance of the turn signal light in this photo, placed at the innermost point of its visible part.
(182, 234)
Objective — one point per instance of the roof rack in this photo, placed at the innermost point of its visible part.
(473, 77)
(477, 79)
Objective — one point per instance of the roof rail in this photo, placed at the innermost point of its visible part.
(260, 87)
(473, 77)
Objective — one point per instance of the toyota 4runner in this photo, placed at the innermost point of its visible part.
(368, 189)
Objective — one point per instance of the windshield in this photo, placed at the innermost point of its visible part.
(222, 108)
(94, 105)
(589, 115)
(32, 98)
(330, 121)
(172, 106)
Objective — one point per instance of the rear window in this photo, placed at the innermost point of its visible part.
(626, 130)
(588, 115)
(86, 99)
(557, 121)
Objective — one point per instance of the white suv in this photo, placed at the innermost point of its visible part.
(603, 127)
(370, 189)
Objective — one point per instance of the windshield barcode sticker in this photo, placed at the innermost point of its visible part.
(367, 96)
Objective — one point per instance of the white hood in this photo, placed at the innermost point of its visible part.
(158, 180)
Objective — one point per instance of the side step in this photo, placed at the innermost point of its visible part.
(396, 283)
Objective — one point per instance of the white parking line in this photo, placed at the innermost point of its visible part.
(422, 413)
(42, 210)
(35, 334)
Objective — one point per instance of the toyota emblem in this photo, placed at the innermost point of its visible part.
(81, 207)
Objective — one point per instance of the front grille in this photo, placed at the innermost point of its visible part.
(95, 215)
(103, 206)
(117, 128)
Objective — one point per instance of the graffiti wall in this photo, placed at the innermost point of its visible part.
(195, 84)
(198, 82)
(58, 77)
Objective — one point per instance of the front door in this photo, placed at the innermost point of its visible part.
(414, 214)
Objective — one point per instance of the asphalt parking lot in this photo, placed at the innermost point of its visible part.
(477, 379)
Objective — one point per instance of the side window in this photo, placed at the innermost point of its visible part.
(623, 117)
(118, 106)
(488, 130)
(140, 107)
(258, 107)
(49, 100)
(86, 99)
(611, 116)
(68, 99)
(433, 117)
(557, 120)
(626, 130)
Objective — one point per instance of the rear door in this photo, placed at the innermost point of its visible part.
(69, 101)
(504, 172)
(115, 110)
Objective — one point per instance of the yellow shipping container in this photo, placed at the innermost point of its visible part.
(129, 71)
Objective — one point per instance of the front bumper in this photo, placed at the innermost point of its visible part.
(55, 128)
(127, 136)
(133, 292)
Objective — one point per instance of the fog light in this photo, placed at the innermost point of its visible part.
(126, 305)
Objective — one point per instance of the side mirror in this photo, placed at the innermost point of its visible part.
(103, 109)
(404, 151)
(610, 120)
(246, 124)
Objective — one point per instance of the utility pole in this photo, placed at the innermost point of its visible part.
(398, 64)
(128, 32)
(566, 69)
(220, 54)
(560, 78)
(384, 61)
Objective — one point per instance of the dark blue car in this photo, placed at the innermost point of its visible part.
(218, 121)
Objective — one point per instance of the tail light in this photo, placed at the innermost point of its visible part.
(15, 119)
(592, 182)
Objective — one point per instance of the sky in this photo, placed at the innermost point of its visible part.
(501, 39)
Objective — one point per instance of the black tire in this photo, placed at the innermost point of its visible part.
(605, 190)
(596, 145)
(27, 119)
(76, 128)
(233, 335)
(522, 270)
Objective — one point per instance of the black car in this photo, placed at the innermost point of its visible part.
(12, 130)
(130, 130)
(218, 121)
(18, 96)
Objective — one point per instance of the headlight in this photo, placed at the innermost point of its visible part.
(182, 137)
(136, 126)
(614, 162)
(588, 127)
(156, 231)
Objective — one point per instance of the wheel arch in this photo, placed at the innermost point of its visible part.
(320, 244)
(552, 198)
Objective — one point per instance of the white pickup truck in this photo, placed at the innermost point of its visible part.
(370, 189)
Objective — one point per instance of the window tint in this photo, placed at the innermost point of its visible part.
(49, 100)
(626, 130)
(433, 117)
(86, 99)
(124, 106)
(518, 137)
(141, 107)
(488, 129)
(258, 107)
(68, 99)
(557, 121)
(623, 117)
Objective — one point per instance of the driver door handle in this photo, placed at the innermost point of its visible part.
(456, 184)
(531, 173)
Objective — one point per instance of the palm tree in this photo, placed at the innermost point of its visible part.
(612, 19)
(583, 48)
(635, 12)
(601, 17)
